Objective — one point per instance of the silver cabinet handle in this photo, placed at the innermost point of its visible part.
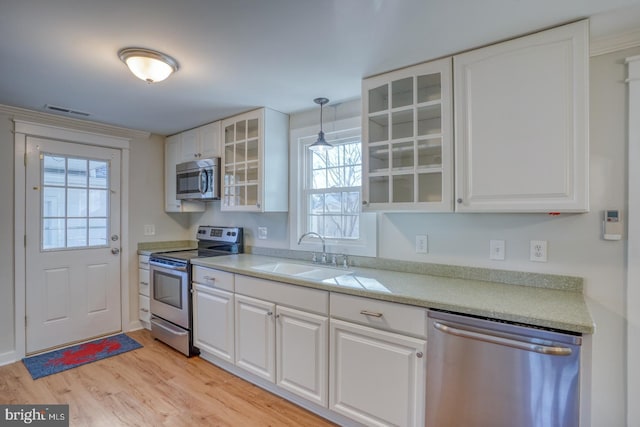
(370, 313)
(144, 283)
(209, 278)
(493, 339)
(145, 310)
(269, 313)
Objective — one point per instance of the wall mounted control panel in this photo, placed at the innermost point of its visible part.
(612, 225)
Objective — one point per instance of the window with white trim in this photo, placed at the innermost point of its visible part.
(326, 196)
(332, 183)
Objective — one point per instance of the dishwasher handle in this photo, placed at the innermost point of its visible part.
(494, 339)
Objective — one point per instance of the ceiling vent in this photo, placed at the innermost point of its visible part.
(65, 110)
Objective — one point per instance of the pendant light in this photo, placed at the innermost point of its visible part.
(148, 65)
(321, 144)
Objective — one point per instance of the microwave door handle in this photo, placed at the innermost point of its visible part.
(202, 171)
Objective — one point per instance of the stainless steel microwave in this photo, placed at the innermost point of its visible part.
(198, 180)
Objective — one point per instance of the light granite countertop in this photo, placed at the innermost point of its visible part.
(147, 248)
(533, 305)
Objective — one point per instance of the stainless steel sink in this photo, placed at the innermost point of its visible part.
(314, 272)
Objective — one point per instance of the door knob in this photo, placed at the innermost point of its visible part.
(114, 237)
(115, 251)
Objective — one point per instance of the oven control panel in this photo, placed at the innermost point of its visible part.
(220, 234)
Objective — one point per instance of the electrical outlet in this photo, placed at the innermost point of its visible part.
(538, 251)
(422, 244)
(262, 233)
(149, 230)
(496, 250)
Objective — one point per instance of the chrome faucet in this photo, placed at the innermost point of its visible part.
(324, 251)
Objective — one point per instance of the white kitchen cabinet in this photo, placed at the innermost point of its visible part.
(213, 312)
(301, 354)
(407, 137)
(213, 321)
(255, 162)
(521, 124)
(171, 159)
(377, 365)
(200, 143)
(282, 335)
(255, 336)
(144, 304)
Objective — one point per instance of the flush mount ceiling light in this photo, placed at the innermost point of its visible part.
(321, 144)
(148, 65)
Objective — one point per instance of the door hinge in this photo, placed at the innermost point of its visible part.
(25, 321)
(25, 159)
(25, 240)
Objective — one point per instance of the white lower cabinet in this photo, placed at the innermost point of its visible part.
(351, 359)
(213, 312)
(255, 336)
(213, 329)
(301, 354)
(144, 304)
(377, 377)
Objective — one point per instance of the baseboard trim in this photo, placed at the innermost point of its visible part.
(9, 358)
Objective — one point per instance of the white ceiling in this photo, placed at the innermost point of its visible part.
(235, 55)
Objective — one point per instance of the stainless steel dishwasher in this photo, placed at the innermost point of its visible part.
(485, 373)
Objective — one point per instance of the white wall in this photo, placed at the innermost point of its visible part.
(146, 206)
(6, 236)
(575, 246)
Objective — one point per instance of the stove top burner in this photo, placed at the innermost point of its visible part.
(212, 241)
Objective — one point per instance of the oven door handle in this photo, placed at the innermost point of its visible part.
(168, 267)
(168, 327)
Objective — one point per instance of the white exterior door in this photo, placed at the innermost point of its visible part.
(72, 243)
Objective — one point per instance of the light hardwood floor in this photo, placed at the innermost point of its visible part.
(153, 386)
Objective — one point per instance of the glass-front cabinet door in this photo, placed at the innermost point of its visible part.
(255, 162)
(407, 139)
(241, 163)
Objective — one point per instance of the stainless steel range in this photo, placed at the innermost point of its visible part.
(170, 280)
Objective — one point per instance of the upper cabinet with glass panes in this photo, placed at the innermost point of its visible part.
(407, 139)
(255, 174)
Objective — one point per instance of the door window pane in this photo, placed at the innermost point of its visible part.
(74, 190)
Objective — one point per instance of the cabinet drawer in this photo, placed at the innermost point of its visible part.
(386, 315)
(307, 299)
(143, 281)
(144, 308)
(213, 278)
(143, 261)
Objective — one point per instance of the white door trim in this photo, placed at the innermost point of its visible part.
(633, 244)
(21, 131)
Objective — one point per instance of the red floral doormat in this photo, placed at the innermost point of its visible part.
(60, 360)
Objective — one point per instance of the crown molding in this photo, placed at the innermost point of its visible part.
(613, 43)
(17, 113)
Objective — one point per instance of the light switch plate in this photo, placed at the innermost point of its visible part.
(262, 233)
(497, 250)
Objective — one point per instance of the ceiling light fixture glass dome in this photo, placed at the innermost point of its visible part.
(148, 65)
